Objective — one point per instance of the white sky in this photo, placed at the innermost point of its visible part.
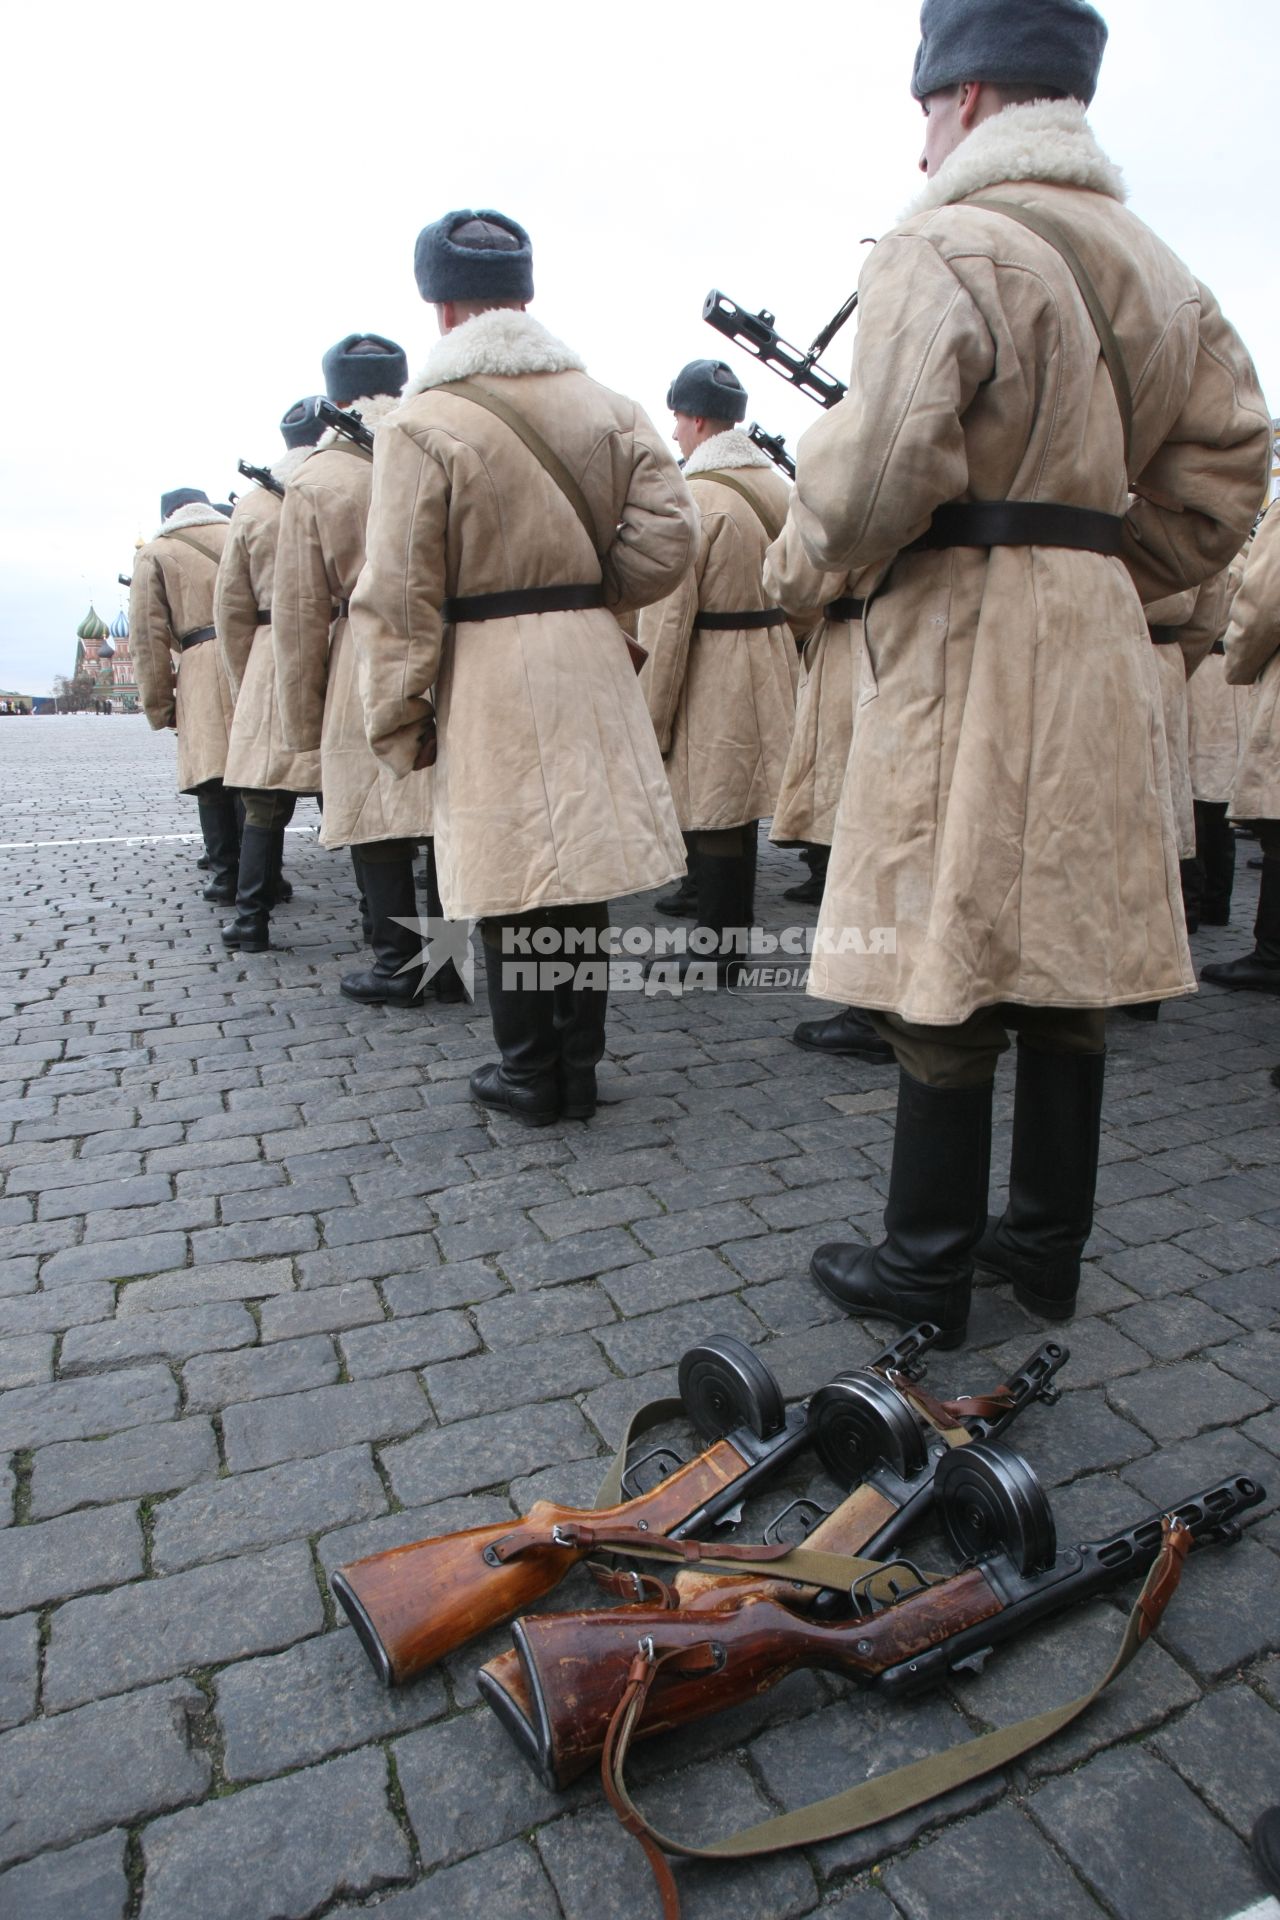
(202, 199)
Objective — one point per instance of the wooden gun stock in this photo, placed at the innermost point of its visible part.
(576, 1664)
(411, 1605)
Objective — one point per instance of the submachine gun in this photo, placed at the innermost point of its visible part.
(757, 334)
(125, 579)
(263, 476)
(349, 424)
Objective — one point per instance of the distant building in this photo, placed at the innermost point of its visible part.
(108, 666)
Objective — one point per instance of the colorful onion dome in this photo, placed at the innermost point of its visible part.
(92, 627)
(120, 626)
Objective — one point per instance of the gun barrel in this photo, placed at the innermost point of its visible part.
(757, 335)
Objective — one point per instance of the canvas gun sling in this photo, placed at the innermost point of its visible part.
(198, 635)
(1034, 523)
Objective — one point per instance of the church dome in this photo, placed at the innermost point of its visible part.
(92, 627)
(120, 626)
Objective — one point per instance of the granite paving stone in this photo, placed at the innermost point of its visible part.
(461, 1791)
(19, 1679)
(294, 1426)
(87, 1882)
(1175, 1403)
(415, 1341)
(507, 1881)
(1004, 1865)
(173, 1335)
(1228, 1750)
(143, 1460)
(278, 1851)
(73, 1774)
(472, 1454)
(112, 1642)
(259, 1509)
(319, 1310)
(462, 1389)
(214, 1380)
(79, 1409)
(191, 1286)
(1196, 1868)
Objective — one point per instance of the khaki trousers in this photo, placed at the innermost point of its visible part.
(966, 1055)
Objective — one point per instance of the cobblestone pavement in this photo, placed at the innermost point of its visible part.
(274, 1293)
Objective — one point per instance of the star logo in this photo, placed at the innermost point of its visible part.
(442, 941)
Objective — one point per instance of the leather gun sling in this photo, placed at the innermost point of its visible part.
(867, 1804)
(1056, 236)
(771, 525)
(547, 458)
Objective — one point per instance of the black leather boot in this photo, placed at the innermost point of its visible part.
(220, 827)
(1142, 1010)
(260, 849)
(937, 1206)
(809, 892)
(848, 1033)
(445, 983)
(1191, 875)
(579, 1018)
(725, 888)
(683, 903)
(366, 924)
(1053, 1171)
(523, 1083)
(1216, 856)
(388, 888)
(1259, 971)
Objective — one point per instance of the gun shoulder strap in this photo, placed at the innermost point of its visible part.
(872, 1801)
(771, 524)
(1057, 237)
(189, 540)
(547, 457)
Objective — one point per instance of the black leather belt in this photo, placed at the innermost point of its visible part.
(1219, 646)
(504, 606)
(262, 618)
(1164, 636)
(846, 609)
(734, 622)
(197, 636)
(1022, 523)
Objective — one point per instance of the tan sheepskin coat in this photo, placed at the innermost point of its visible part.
(257, 758)
(820, 741)
(549, 785)
(318, 561)
(172, 595)
(1198, 618)
(1006, 832)
(1253, 660)
(723, 702)
(1218, 714)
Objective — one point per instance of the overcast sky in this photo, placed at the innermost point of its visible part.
(202, 199)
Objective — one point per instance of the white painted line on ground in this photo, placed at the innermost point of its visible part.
(115, 840)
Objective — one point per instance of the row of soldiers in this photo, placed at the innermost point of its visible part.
(1050, 427)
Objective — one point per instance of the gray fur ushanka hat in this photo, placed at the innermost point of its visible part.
(361, 365)
(708, 390)
(474, 256)
(1055, 44)
(299, 426)
(179, 497)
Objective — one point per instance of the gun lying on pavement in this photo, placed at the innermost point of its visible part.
(263, 476)
(632, 1669)
(412, 1605)
(348, 424)
(891, 1439)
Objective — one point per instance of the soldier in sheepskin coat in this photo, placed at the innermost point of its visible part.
(181, 677)
(266, 773)
(320, 554)
(1218, 717)
(721, 673)
(1005, 854)
(1253, 661)
(495, 583)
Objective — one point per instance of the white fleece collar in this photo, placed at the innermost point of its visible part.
(501, 341)
(194, 515)
(373, 410)
(287, 465)
(1050, 140)
(732, 449)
